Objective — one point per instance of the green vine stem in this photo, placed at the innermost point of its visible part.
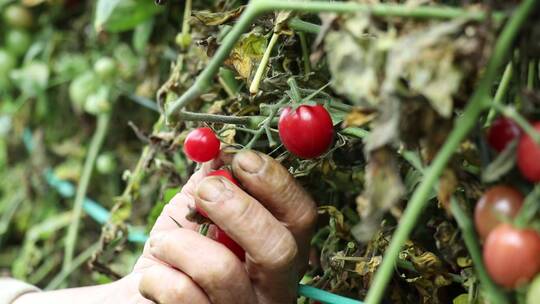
(300, 25)
(305, 54)
(95, 145)
(295, 92)
(462, 126)
(257, 7)
(254, 88)
(266, 124)
(500, 93)
(77, 262)
(216, 118)
(493, 293)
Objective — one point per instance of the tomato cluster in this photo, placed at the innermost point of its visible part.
(503, 131)
(511, 254)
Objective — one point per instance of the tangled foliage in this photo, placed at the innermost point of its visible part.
(87, 84)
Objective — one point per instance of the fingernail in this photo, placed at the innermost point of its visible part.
(211, 189)
(250, 161)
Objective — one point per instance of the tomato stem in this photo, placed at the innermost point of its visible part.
(258, 7)
(300, 25)
(93, 150)
(463, 125)
(529, 209)
(254, 87)
(295, 92)
(500, 93)
(305, 54)
(493, 292)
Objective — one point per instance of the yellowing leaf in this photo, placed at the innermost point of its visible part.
(247, 53)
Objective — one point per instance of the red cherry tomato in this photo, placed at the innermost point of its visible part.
(502, 131)
(497, 203)
(224, 239)
(528, 156)
(222, 172)
(306, 132)
(201, 145)
(512, 255)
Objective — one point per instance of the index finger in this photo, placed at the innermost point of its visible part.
(274, 187)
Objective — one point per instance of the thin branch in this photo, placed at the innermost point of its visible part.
(95, 145)
(463, 125)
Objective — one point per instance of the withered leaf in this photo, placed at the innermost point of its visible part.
(247, 53)
(217, 18)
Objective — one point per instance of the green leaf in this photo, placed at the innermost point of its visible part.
(142, 35)
(104, 9)
(122, 15)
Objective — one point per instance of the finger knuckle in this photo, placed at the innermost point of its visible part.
(179, 290)
(221, 272)
(282, 254)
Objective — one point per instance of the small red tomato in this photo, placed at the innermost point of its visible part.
(497, 203)
(201, 145)
(221, 172)
(512, 255)
(306, 132)
(528, 156)
(224, 239)
(502, 131)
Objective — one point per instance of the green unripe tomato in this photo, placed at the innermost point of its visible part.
(81, 87)
(183, 40)
(98, 103)
(105, 67)
(7, 63)
(105, 163)
(18, 41)
(18, 16)
(533, 294)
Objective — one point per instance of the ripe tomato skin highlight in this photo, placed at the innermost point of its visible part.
(306, 132)
(221, 172)
(201, 145)
(501, 132)
(496, 204)
(528, 156)
(512, 255)
(224, 239)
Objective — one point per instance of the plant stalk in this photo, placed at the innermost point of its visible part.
(257, 7)
(254, 88)
(493, 293)
(463, 125)
(95, 145)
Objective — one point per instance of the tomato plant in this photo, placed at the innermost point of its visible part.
(501, 132)
(226, 240)
(201, 145)
(18, 41)
(528, 156)
(512, 255)
(307, 132)
(496, 204)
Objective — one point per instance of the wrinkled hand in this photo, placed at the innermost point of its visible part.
(272, 218)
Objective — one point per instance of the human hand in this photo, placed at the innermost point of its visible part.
(272, 219)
